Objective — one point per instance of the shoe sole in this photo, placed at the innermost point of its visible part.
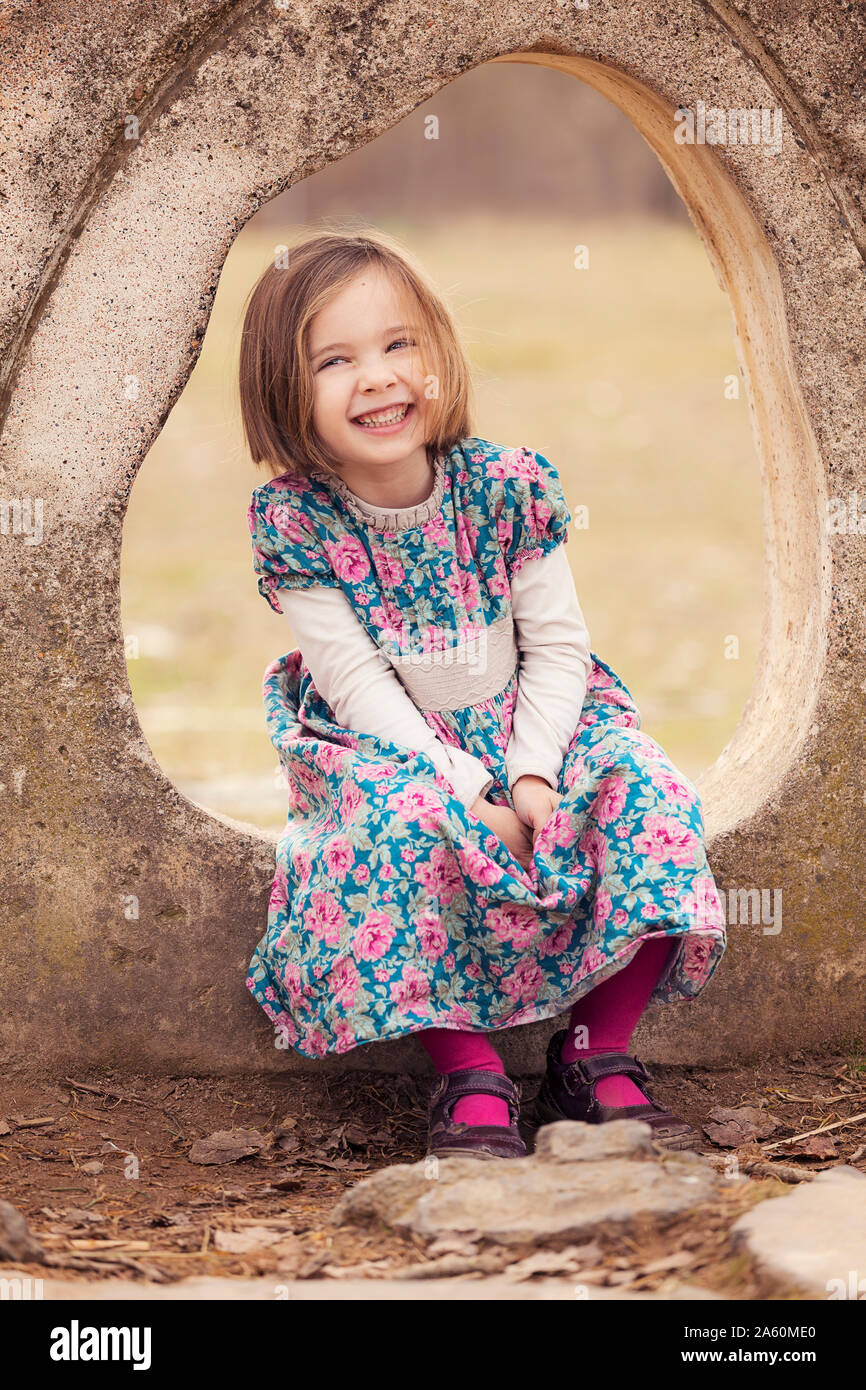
(465, 1153)
(541, 1115)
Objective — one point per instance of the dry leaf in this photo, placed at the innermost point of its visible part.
(243, 1242)
(729, 1128)
(357, 1136)
(227, 1146)
(813, 1146)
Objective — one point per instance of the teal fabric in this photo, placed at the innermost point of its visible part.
(393, 908)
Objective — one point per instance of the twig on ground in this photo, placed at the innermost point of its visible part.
(106, 1091)
(785, 1172)
(822, 1129)
(819, 1100)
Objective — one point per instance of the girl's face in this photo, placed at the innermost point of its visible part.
(369, 407)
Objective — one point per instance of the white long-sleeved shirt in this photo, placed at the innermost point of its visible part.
(365, 693)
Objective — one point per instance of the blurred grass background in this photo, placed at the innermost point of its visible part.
(617, 373)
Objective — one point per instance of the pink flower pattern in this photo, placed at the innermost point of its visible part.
(393, 908)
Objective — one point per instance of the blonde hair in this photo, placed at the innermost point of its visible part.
(276, 383)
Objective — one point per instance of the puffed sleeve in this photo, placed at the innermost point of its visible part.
(287, 554)
(535, 515)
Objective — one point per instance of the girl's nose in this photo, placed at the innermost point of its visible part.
(376, 376)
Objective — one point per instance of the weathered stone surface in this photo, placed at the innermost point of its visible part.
(226, 106)
(814, 1238)
(568, 1141)
(522, 1200)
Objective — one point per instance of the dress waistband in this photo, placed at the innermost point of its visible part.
(464, 674)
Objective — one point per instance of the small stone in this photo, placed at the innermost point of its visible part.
(16, 1242)
(571, 1140)
(814, 1237)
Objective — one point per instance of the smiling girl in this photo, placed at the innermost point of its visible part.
(479, 833)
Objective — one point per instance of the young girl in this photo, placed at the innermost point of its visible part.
(479, 834)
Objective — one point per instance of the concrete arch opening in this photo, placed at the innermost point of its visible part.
(144, 906)
(615, 369)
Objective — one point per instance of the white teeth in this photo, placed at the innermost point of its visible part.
(384, 417)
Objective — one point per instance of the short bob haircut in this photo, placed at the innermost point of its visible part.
(276, 383)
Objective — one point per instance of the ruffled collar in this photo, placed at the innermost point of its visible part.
(389, 518)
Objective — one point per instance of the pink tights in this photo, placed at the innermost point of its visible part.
(450, 1051)
(602, 1021)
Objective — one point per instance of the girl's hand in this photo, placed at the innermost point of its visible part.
(534, 801)
(507, 827)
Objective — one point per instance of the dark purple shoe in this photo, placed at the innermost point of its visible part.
(449, 1140)
(568, 1093)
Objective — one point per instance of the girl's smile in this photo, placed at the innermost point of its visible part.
(388, 420)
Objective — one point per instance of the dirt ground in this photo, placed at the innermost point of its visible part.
(101, 1168)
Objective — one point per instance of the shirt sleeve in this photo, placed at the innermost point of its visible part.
(286, 552)
(535, 514)
(555, 663)
(363, 689)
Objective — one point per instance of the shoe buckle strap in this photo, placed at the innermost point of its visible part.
(611, 1064)
(450, 1087)
(476, 1080)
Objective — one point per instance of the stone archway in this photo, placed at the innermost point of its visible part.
(113, 265)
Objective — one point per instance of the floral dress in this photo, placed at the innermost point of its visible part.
(393, 908)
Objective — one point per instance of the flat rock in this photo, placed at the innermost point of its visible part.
(581, 1178)
(815, 1237)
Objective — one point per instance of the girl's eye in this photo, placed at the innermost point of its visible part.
(409, 342)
